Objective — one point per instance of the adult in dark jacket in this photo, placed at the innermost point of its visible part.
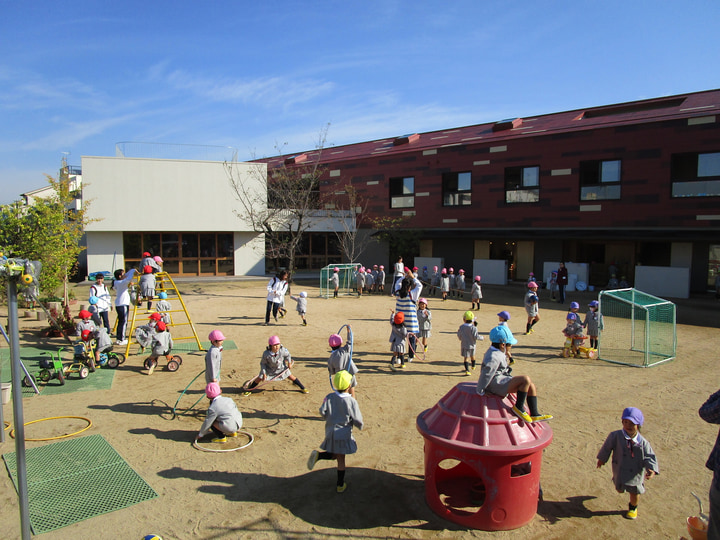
(562, 281)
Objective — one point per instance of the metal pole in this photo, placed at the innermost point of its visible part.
(18, 410)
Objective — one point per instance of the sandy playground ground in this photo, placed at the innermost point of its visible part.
(266, 491)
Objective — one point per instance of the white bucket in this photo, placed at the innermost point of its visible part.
(6, 389)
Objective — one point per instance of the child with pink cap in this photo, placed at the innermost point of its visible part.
(334, 281)
(633, 459)
(213, 358)
(476, 294)
(274, 366)
(531, 307)
(223, 417)
(444, 284)
(460, 283)
(434, 280)
(380, 280)
(341, 357)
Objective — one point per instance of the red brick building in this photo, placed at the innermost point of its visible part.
(632, 183)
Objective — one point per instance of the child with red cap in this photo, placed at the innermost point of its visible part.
(398, 336)
(633, 459)
(223, 417)
(147, 284)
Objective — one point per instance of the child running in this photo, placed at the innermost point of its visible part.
(341, 412)
(275, 366)
(301, 305)
(633, 459)
(341, 358)
(424, 317)
(531, 307)
(496, 378)
(223, 417)
(468, 335)
(213, 358)
(593, 323)
(475, 294)
(398, 336)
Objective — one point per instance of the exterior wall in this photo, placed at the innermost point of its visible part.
(249, 254)
(104, 251)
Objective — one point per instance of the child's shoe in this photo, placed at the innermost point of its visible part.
(631, 514)
(219, 440)
(304, 323)
(522, 414)
(425, 349)
(511, 361)
(313, 459)
(541, 417)
(342, 488)
(246, 393)
(233, 434)
(305, 391)
(467, 373)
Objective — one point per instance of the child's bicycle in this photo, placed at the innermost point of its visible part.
(587, 352)
(50, 368)
(174, 361)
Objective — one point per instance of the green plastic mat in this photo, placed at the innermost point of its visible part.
(101, 379)
(76, 479)
(191, 345)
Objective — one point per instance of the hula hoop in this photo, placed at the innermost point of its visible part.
(263, 383)
(174, 409)
(12, 431)
(220, 451)
(6, 426)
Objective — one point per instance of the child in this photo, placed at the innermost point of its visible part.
(633, 459)
(495, 378)
(149, 260)
(147, 285)
(398, 336)
(468, 336)
(531, 307)
(164, 307)
(275, 366)
(334, 281)
(85, 323)
(424, 316)
(434, 281)
(360, 280)
(100, 290)
(594, 323)
(574, 308)
(223, 417)
(340, 358)
(553, 285)
(451, 281)
(122, 302)
(341, 412)
(213, 358)
(444, 284)
(425, 276)
(460, 283)
(476, 293)
(380, 282)
(375, 273)
(574, 333)
(162, 342)
(144, 333)
(369, 281)
(301, 305)
(531, 277)
(510, 340)
(93, 309)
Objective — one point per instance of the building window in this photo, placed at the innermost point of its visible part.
(600, 180)
(522, 184)
(457, 188)
(695, 175)
(402, 192)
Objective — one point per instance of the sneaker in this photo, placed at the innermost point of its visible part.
(401, 366)
(425, 349)
(305, 391)
(631, 514)
(511, 361)
(522, 414)
(121, 342)
(313, 459)
(233, 434)
(246, 394)
(541, 417)
(304, 323)
(467, 373)
(219, 440)
(342, 488)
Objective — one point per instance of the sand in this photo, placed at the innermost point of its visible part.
(266, 491)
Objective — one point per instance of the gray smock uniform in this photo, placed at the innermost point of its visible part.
(341, 412)
(380, 278)
(532, 308)
(223, 411)
(147, 285)
(151, 262)
(494, 373)
(359, 280)
(424, 317)
(460, 282)
(301, 304)
(398, 336)
(85, 325)
(593, 323)
(444, 284)
(272, 366)
(213, 361)
(476, 291)
(144, 334)
(104, 343)
(162, 343)
(468, 336)
(630, 459)
(340, 361)
(334, 280)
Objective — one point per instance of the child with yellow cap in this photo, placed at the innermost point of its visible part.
(341, 413)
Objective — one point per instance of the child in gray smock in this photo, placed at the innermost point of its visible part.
(341, 412)
(593, 323)
(147, 285)
(334, 282)
(274, 366)
(398, 336)
(468, 335)
(162, 342)
(223, 417)
(341, 358)
(573, 333)
(424, 317)
(213, 362)
(164, 307)
(475, 293)
(144, 333)
(301, 305)
(633, 459)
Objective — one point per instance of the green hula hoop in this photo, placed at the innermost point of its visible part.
(174, 409)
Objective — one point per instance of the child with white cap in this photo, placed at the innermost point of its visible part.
(301, 305)
(633, 459)
(341, 413)
(223, 417)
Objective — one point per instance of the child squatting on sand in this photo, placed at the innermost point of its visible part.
(223, 417)
(633, 459)
(341, 413)
(495, 378)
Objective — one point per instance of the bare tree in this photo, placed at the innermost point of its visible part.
(352, 241)
(282, 203)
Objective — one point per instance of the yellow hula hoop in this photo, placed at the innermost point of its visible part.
(248, 435)
(12, 432)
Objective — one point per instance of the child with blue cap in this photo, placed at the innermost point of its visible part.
(633, 459)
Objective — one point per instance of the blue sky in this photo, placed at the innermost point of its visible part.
(77, 77)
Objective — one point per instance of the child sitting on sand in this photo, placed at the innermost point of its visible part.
(274, 366)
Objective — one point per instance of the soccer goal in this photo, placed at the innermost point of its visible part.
(638, 328)
(347, 279)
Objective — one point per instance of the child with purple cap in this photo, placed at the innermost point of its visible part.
(633, 459)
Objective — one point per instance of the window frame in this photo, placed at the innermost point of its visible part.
(403, 198)
(593, 186)
(451, 189)
(694, 184)
(515, 183)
